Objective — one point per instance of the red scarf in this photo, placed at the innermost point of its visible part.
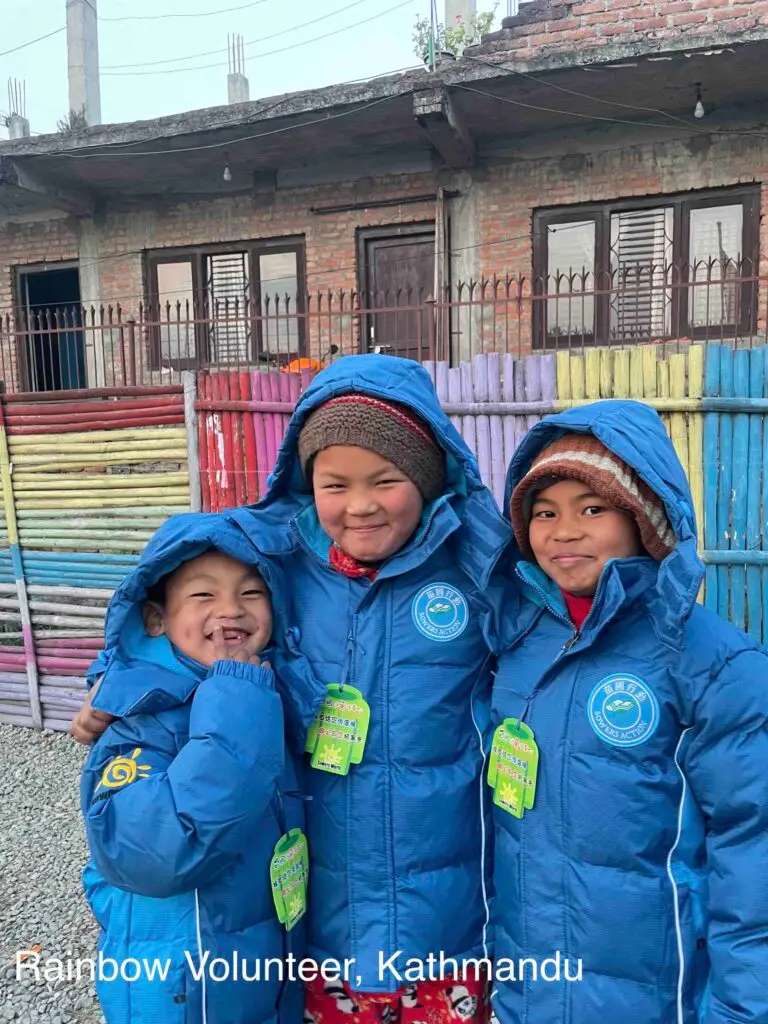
(349, 566)
(578, 608)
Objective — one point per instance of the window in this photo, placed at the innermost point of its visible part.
(642, 270)
(225, 306)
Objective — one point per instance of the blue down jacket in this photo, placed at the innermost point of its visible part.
(180, 865)
(397, 845)
(645, 851)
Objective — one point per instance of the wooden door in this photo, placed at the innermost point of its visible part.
(397, 277)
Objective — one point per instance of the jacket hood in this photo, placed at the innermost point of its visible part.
(635, 433)
(407, 382)
(126, 641)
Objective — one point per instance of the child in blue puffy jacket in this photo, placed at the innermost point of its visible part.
(630, 753)
(199, 867)
(388, 538)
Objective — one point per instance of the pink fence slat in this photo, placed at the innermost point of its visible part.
(468, 422)
(274, 421)
(482, 423)
(498, 466)
(263, 466)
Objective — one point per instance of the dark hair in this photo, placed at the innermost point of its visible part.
(158, 591)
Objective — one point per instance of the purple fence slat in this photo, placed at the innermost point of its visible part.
(468, 422)
(482, 423)
(508, 395)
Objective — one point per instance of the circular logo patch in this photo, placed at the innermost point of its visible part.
(623, 710)
(440, 612)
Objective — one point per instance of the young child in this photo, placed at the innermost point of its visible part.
(187, 795)
(630, 752)
(388, 536)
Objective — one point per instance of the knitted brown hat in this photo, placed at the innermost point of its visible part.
(387, 428)
(583, 457)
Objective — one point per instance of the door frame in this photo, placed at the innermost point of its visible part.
(418, 230)
(22, 309)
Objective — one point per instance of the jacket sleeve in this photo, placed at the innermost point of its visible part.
(160, 824)
(726, 763)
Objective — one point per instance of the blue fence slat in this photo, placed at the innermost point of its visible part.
(725, 479)
(754, 496)
(711, 443)
(739, 491)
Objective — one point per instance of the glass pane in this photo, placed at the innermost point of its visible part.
(227, 281)
(175, 297)
(571, 273)
(641, 258)
(715, 241)
(279, 282)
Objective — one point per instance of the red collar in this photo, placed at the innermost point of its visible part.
(349, 566)
(578, 608)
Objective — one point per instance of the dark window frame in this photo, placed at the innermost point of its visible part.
(681, 204)
(197, 255)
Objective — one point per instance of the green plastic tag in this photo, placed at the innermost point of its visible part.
(513, 767)
(289, 875)
(336, 739)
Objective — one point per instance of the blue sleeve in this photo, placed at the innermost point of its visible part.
(726, 763)
(184, 818)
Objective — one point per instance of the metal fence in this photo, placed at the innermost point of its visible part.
(666, 305)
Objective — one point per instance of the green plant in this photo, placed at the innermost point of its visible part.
(75, 121)
(452, 38)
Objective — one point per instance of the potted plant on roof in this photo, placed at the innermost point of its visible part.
(438, 44)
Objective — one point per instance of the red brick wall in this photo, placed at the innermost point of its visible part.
(505, 196)
(565, 25)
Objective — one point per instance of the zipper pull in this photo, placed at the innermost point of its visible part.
(573, 640)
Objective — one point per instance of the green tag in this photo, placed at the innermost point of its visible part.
(289, 875)
(513, 767)
(336, 738)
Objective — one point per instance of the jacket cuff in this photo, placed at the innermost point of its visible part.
(259, 674)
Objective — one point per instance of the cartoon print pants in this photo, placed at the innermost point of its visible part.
(429, 1002)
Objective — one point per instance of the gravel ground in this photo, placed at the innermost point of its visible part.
(42, 852)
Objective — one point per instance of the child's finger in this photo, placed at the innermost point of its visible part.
(219, 646)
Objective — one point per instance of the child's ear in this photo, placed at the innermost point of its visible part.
(154, 621)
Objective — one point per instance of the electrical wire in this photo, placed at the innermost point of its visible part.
(598, 117)
(32, 42)
(185, 14)
(608, 103)
(224, 49)
(269, 53)
(232, 142)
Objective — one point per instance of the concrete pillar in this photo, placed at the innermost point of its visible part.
(18, 127)
(464, 264)
(455, 8)
(238, 90)
(83, 59)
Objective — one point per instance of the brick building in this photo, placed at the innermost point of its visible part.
(603, 160)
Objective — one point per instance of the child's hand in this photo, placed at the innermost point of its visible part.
(247, 652)
(88, 724)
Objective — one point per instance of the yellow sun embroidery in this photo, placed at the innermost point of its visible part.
(508, 794)
(333, 755)
(122, 770)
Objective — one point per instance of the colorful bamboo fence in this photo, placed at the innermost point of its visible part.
(712, 398)
(87, 478)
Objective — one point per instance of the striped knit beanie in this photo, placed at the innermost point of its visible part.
(387, 428)
(583, 457)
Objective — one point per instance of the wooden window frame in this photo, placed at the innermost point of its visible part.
(682, 205)
(197, 255)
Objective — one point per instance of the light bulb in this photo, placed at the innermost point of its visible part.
(227, 175)
(699, 110)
